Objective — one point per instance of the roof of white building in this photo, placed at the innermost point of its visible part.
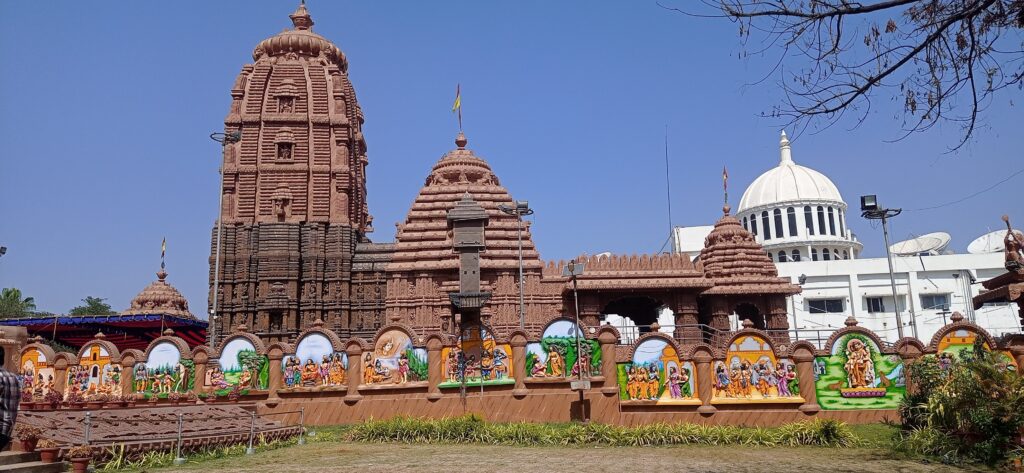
(789, 182)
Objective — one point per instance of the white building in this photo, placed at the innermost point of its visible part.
(799, 216)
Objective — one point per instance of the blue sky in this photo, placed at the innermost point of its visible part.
(107, 107)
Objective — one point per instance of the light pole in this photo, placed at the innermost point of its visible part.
(520, 208)
(572, 270)
(870, 210)
(792, 299)
(224, 139)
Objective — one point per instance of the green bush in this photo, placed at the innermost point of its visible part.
(472, 429)
(973, 412)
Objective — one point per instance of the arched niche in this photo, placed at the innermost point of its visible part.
(96, 371)
(478, 357)
(555, 355)
(753, 372)
(317, 360)
(37, 370)
(166, 367)
(398, 357)
(655, 373)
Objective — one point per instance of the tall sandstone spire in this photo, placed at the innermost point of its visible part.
(294, 202)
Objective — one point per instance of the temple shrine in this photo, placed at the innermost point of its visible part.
(296, 222)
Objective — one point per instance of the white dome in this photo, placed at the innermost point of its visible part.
(789, 182)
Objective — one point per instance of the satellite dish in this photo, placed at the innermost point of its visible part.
(991, 242)
(930, 244)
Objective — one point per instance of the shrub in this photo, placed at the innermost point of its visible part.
(472, 429)
(80, 451)
(973, 412)
(47, 443)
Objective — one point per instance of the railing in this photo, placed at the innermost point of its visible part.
(703, 333)
(234, 431)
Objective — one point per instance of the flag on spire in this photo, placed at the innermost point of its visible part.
(725, 183)
(457, 106)
(163, 252)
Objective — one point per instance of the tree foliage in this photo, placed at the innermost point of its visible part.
(943, 60)
(14, 304)
(93, 306)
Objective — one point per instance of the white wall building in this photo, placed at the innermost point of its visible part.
(799, 216)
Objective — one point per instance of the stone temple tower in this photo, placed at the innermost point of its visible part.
(294, 202)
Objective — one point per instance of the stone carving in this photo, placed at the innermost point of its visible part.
(1014, 247)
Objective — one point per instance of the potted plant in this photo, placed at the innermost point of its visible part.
(49, 451)
(152, 398)
(191, 398)
(52, 399)
(28, 436)
(75, 400)
(202, 398)
(234, 394)
(96, 401)
(27, 403)
(80, 457)
(174, 397)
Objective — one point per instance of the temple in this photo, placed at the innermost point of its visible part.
(295, 246)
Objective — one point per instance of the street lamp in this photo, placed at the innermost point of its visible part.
(572, 270)
(792, 299)
(871, 210)
(224, 139)
(520, 208)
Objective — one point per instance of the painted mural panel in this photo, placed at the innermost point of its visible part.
(477, 360)
(37, 373)
(394, 360)
(857, 375)
(751, 373)
(315, 364)
(955, 345)
(655, 374)
(163, 372)
(557, 350)
(94, 373)
(239, 366)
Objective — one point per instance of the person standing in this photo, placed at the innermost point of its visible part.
(10, 396)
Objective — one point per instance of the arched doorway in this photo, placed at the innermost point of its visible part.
(747, 311)
(635, 315)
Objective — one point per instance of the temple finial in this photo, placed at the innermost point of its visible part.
(461, 140)
(786, 155)
(301, 19)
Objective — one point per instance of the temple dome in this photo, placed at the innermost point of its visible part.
(159, 298)
(424, 242)
(736, 263)
(301, 41)
(789, 182)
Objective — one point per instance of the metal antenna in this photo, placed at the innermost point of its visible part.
(668, 196)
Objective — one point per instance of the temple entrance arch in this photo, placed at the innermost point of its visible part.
(633, 316)
(748, 311)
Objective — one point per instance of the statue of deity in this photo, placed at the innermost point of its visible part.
(860, 370)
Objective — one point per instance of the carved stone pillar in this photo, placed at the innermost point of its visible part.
(720, 321)
(274, 355)
(518, 342)
(702, 358)
(909, 353)
(685, 309)
(60, 374)
(803, 356)
(127, 365)
(777, 320)
(590, 309)
(355, 371)
(201, 359)
(608, 337)
(434, 368)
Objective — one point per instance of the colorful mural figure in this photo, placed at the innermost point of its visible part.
(163, 372)
(857, 375)
(751, 373)
(37, 373)
(93, 374)
(557, 351)
(655, 374)
(314, 364)
(394, 360)
(476, 360)
(239, 365)
(955, 345)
